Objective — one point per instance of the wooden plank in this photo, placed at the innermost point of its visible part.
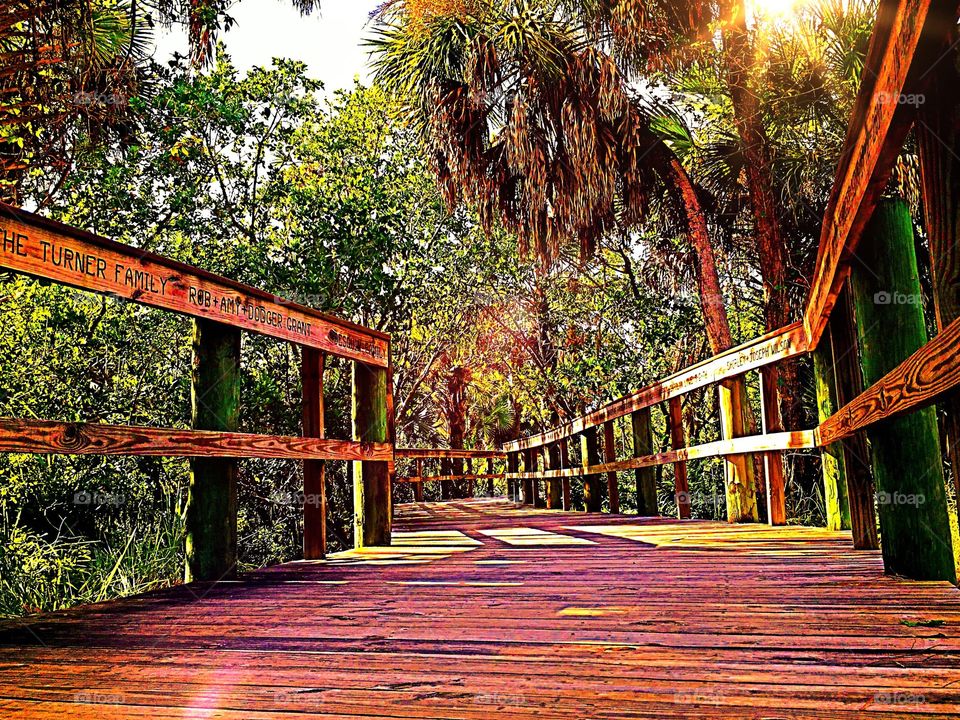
(565, 490)
(314, 471)
(47, 437)
(907, 39)
(590, 458)
(780, 345)
(53, 251)
(919, 381)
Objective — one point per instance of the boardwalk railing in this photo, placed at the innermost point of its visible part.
(222, 309)
(909, 50)
(454, 466)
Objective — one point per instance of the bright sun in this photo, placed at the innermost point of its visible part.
(773, 9)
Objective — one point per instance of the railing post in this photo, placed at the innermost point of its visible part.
(513, 467)
(566, 500)
(908, 468)
(372, 497)
(314, 487)
(471, 485)
(553, 484)
(642, 430)
(738, 470)
(529, 484)
(836, 505)
(418, 487)
(678, 438)
(211, 512)
(860, 491)
(590, 455)
(491, 491)
(773, 461)
(609, 456)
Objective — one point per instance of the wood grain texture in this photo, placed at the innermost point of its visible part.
(53, 251)
(678, 439)
(312, 366)
(46, 437)
(907, 41)
(917, 382)
(772, 347)
(449, 623)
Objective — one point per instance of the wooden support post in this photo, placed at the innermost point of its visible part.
(678, 438)
(836, 506)
(773, 461)
(565, 481)
(529, 484)
(446, 486)
(314, 485)
(372, 497)
(553, 485)
(590, 455)
(211, 512)
(856, 454)
(491, 491)
(905, 451)
(535, 464)
(739, 476)
(609, 456)
(418, 487)
(513, 466)
(642, 426)
(471, 485)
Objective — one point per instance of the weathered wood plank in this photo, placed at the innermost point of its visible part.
(47, 437)
(372, 490)
(53, 251)
(433, 453)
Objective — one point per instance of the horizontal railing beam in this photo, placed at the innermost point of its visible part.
(44, 437)
(773, 347)
(52, 251)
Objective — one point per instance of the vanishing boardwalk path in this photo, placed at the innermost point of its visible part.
(488, 610)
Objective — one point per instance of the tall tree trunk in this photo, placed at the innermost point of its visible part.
(736, 418)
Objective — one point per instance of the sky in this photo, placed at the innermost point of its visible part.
(328, 41)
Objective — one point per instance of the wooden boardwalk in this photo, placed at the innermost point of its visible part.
(484, 609)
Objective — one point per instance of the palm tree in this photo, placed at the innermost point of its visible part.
(69, 69)
(529, 122)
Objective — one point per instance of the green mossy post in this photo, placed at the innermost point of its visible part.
(592, 484)
(836, 503)
(211, 513)
(372, 498)
(642, 427)
(905, 451)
